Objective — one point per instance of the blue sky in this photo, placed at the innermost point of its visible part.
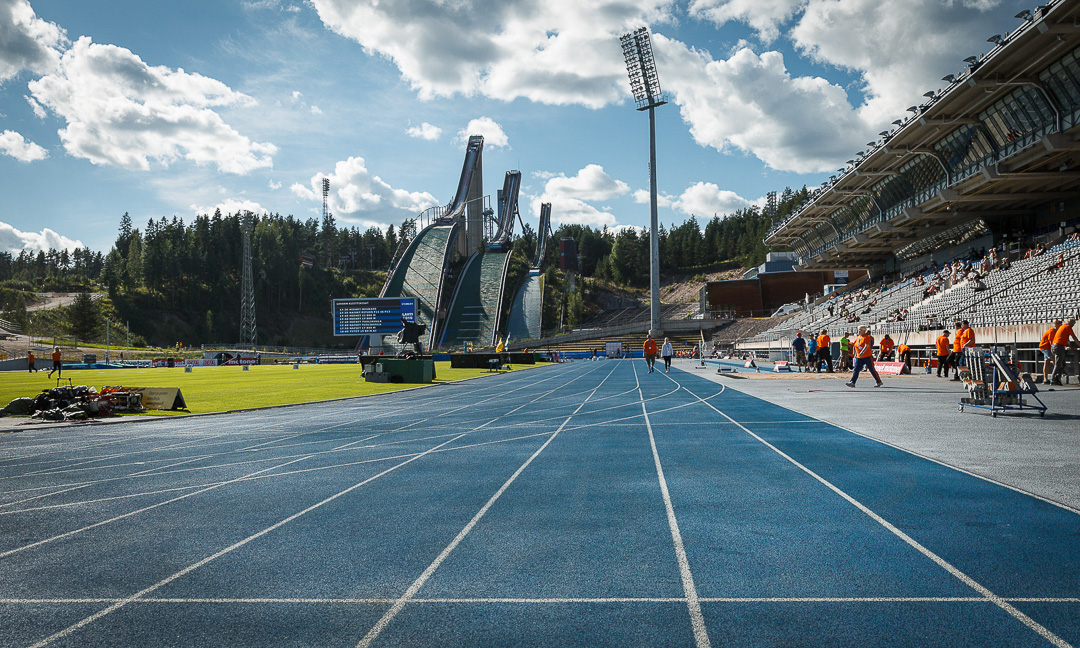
(174, 109)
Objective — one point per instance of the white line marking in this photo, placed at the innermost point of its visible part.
(941, 562)
(400, 603)
(137, 511)
(158, 585)
(693, 604)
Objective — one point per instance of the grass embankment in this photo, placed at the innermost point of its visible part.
(222, 389)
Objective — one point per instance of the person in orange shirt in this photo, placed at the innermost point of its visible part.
(824, 352)
(957, 351)
(1061, 346)
(863, 350)
(886, 348)
(903, 354)
(30, 361)
(650, 351)
(1044, 349)
(942, 343)
(56, 363)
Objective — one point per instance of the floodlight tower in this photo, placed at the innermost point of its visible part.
(325, 196)
(247, 285)
(645, 84)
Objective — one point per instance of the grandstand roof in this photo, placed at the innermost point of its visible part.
(999, 141)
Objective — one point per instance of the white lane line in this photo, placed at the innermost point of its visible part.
(287, 473)
(187, 570)
(941, 562)
(530, 601)
(73, 532)
(140, 594)
(693, 603)
(400, 603)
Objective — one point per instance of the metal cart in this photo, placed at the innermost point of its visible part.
(993, 384)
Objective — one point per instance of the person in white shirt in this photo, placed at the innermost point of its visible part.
(666, 352)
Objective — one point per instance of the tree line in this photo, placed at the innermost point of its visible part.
(173, 280)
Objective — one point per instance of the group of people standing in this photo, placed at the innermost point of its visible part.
(950, 355)
(1053, 346)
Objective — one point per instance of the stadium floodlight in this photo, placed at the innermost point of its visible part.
(971, 60)
(851, 161)
(949, 78)
(884, 133)
(930, 94)
(645, 85)
(913, 109)
(996, 39)
(898, 122)
(1024, 15)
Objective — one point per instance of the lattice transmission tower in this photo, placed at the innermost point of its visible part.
(247, 286)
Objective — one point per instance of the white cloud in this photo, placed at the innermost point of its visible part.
(766, 17)
(663, 201)
(358, 195)
(901, 48)
(15, 241)
(26, 41)
(425, 131)
(274, 185)
(556, 52)
(570, 197)
(590, 183)
(15, 145)
(122, 112)
(752, 103)
(705, 199)
(315, 110)
(489, 128)
(39, 111)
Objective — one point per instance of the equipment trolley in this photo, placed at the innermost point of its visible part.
(993, 384)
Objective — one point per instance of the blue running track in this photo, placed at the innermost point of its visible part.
(585, 504)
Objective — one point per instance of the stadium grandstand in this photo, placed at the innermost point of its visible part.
(967, 209)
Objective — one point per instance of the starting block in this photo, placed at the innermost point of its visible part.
(781, 365)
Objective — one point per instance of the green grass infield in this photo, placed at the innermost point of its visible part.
(224, 389)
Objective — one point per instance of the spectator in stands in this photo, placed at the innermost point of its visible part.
(666, 353)
(1062, 343)
(942, 350)
(650, 351)
(1045, 343)
(824, 353)
(845, 352)
(798, 347)
(887, 344)
(864, 357)
(1057, 265)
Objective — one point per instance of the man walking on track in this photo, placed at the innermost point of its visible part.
(30, 362)
(942, 343)
(864, 357)
(650, 351)
(666, 352)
